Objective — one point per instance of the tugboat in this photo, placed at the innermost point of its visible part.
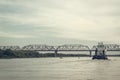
(100, 52)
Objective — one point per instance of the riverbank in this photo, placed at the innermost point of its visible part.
(33, 54)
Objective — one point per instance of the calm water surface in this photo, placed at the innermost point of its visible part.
(60, 69)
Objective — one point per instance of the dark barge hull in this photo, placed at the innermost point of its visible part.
(100, 57)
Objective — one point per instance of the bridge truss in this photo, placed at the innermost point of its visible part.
(73, 47)
(41, 47)
(10, 47)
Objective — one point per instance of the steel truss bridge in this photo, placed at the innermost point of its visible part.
(65, 47)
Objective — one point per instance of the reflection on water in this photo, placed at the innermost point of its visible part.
(60, 69)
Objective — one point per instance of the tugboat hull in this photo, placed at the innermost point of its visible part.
(100, 57)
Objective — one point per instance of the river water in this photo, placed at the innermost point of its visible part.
(72, 68)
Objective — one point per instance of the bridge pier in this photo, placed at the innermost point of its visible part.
(56, 51)
(90, 53)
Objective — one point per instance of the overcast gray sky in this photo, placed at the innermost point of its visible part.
(59, 21)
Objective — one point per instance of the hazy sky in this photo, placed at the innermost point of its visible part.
(59, 21)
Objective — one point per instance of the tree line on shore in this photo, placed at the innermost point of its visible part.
(8, 53)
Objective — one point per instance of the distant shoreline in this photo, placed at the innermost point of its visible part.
(10, 54)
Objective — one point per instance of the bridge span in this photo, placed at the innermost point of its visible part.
(65, 47)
